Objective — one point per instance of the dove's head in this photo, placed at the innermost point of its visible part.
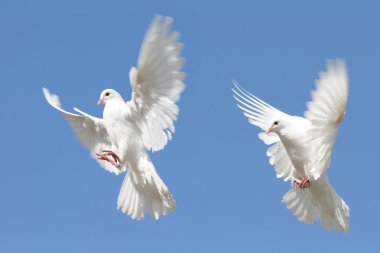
(108, 95)
(275, 127)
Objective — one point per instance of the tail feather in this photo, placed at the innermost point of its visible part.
(320, 201)
(338, 217)
(300, 202)
(143, 191)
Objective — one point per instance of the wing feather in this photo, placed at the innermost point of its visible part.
(157, 83)
(89, 130)
(261, 114)
(326, 111)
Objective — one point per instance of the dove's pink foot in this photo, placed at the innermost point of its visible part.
(110, 157)
(305, 183)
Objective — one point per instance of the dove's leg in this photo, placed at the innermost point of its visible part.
(114, 156)
(110, 157)
(305, 183)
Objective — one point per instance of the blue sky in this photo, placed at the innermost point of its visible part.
(55, 198)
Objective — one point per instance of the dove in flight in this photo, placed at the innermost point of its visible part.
(302, 146)
(120, 141)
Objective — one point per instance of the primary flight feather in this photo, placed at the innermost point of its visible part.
(120, 140)
(302, 146)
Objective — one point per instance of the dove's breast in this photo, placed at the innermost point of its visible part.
(297, 155)
(122, 130)
(294, 141)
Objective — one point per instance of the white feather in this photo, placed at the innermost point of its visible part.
(326, 112)
(262, 115)
(302, 147)
(157, 84)
(90, 131)
(145, 122)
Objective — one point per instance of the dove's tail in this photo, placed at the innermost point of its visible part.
(320, 201)
(144, 191)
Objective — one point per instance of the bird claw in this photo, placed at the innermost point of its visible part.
(305, 183)
(111, 153)
(110, 157)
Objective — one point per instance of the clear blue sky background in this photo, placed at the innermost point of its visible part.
(55, 198)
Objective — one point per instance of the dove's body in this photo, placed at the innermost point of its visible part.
(142, 190)
(129, 129)
(322, 198)
(302, 147)
(320, 201)
(122, 130)
(293, 139)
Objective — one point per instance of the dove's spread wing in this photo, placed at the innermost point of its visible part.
(90, 130)
(326, 111)
(262, 115)
(157, 84)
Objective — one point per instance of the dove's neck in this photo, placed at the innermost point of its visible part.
(294, 130)
(288, 136)
(114, 108)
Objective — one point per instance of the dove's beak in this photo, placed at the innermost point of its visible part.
(101, 101)
(269, 130)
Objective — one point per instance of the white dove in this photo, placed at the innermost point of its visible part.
(120, 140)
(301, 150)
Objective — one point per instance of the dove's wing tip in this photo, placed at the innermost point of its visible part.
(47, 94)
(235, 84)
(162, 20)
(52, 99)
(338, 60)
(45, 91)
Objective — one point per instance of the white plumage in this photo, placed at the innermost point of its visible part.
(301, 147)
(120, 140)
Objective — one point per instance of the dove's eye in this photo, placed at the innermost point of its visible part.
(275, 123)
(107, 94)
